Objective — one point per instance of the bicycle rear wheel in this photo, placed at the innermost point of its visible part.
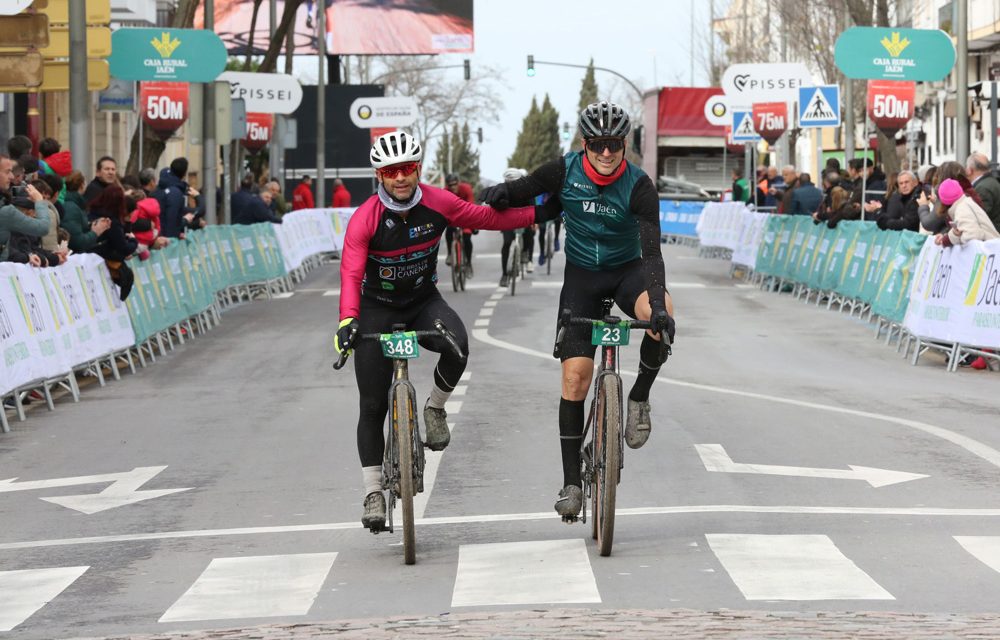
(514, 268)
(549, 240)
(403, 423)
(456, 266)
(607, 459)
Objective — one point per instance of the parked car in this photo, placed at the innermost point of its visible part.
(676, 189)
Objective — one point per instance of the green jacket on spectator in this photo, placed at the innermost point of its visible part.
(11, 219)
(81, 238)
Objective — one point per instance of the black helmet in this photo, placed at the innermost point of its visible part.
(604, 120)
(451, 179)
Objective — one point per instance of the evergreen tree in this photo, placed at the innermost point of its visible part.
(464, 161)
(549, 145)
(527, 139)
(588, 95)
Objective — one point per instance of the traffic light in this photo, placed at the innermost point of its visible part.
(468, 69)
(531, 66)
(479, 133)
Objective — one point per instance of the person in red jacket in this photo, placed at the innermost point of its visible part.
(341, 196)
(464, 192)
(302, 197)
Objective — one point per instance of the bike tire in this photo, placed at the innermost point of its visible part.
(403, 422)
(607, 455)
(548, 253)
(456, 266)
(514, 269)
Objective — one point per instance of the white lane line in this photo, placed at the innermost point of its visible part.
(24, 592)
(792, 567)
(482, 322)
(545, 284)
(331, 292)
(480, 285)
(986, 549)
(929, 512)
(283, 295)
(971, 445)
(452, 407)
(486, 312)
(254, 587)
(688, 285)
(432, 460)
(496, 296)
(491, 303)
(539, 572)
(466, 376)
(460, 390)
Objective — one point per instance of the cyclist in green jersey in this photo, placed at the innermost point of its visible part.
(612, 219)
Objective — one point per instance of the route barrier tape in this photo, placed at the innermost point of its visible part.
(680, 217)
(56, 319)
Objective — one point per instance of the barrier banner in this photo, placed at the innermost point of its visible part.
(680, 217)
(54, 319)
(809, 240)
(749, 244)
(891, 300)
(721, 224)
(843, 244)
(340, 217)
(304, 233)
(955, 295)
(857, 261)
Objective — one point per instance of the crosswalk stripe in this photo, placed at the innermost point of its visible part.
(452, 407)
(283, 295)
(460, 390)
(535, 572)
(331, 292)
(254, 587)
(482, 322)
(986, 549)
(792, 567)
(25, 591)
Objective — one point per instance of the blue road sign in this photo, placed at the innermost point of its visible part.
(743, 130)
(819, 106)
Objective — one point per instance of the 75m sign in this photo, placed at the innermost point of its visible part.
(770, 119)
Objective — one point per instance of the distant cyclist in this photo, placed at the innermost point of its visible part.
(554, 227)
(611, 210)
(527, 235)
(464, 191)
(388, 275)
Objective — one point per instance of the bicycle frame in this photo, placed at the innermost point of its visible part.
(608, 367)
(390, 465)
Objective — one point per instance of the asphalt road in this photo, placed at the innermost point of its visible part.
(766, 485)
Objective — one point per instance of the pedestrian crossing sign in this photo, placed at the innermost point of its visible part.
(819, 106)
(743, 130)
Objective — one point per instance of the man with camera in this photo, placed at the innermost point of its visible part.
(13, 219)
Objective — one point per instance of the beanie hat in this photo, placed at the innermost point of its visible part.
(949, 191)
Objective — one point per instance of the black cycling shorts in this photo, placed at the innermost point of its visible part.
(583, 292)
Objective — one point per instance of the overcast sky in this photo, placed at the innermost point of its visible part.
(649, 41)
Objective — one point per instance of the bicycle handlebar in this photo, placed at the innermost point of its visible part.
(566, 319)
(439, 331)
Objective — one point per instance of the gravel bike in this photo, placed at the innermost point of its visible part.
(515, 264)
(602, 456)
(459, 269)
(403, 462)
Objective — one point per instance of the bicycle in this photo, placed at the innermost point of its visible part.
(458, 267)
(550, 238)
(515, 267)
(403, 462)
(602, 457)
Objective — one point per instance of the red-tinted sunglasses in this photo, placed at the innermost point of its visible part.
(406, 168)
(598, 145)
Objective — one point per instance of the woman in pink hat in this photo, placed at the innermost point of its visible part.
(968, 220)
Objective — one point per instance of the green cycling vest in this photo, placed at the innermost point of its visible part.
(601, 231)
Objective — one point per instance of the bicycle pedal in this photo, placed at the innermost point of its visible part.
(570, 519)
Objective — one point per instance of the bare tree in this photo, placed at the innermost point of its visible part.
(153, 145)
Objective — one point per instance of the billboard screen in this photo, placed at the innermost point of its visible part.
(353, 27)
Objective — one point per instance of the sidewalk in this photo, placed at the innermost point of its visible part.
(679, 624)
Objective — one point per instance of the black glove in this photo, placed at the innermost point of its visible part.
(346, 332)
(832, 224)
(881, 222)
(662, 323)
(496, 196)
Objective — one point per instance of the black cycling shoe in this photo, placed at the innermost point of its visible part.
(374, 514)
(570, 502)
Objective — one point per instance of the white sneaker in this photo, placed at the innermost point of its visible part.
(531, 267)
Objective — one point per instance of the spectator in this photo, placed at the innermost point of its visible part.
(741, 190)
(302, 197)
(28, 168)
(6, 178)
(82, 234)
(901, 211)
(832, 165)
(249, 207)
(806, 197)
(55, 161)
(775, 187)
(107, 174)
(145, 219)
(130, 183)
(925, 173)
(50, 241)
(835, 204)
(114, 244)
(14, 220)
(952, 170)
(172, 193)
(19, 146)
(278, 204)
(790, 177)
(27, 248)
(341, 196)
(968, 220)
(977, 168)
(147, 180)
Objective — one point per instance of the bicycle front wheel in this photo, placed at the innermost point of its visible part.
(403, 422)
(607, 458)
(456, 266)
(514, 269)
(548, 251)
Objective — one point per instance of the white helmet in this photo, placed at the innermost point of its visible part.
(512, 173)
(394, 148)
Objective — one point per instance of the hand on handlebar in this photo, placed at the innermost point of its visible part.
(662, 323)
(344, 338)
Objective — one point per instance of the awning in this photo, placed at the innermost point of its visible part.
(681, 112)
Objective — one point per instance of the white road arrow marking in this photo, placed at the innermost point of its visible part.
(122, 491)
(715, 458)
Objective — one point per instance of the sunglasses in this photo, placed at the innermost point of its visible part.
(406, 168)
(598, 145)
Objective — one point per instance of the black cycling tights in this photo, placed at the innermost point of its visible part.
(374, 372)
(527, 242)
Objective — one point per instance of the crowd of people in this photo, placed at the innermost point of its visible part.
(954, 202)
